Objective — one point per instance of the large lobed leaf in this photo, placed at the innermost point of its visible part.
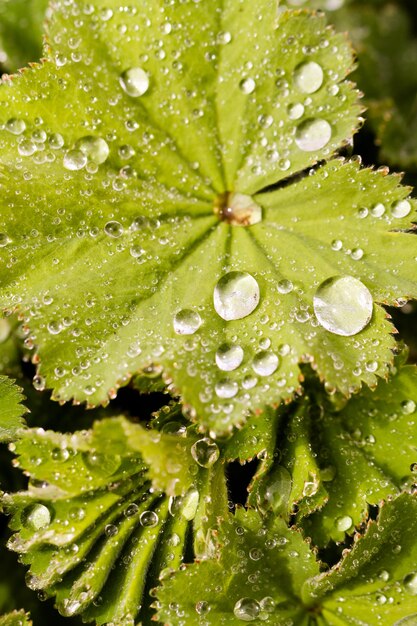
(94, 528)
(99, 260)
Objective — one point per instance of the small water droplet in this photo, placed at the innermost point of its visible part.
(15, 126)
(265, 363)
(190, 504)
(357, 254)
(247, 609)
(113, 229)
(344, 523)
(226, 388)
(295, 111)
(205, 452)
(134, 81)
(94, 148)
(313, 134)
(37, 517)
(229, 357)
(308, 77)
(408, 407)
(401, 208)
(247, 85)
(236, 296)
(378, 210)
(285, 286)
(110, 530)
(4, 240)
(187, 322)
(149, 519)
(202, 607)
(74, 160)
(343, 305)
(410, 583)
(224, 37)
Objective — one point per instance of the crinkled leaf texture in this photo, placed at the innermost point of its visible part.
(108, 196)
(15, 618)
(96, 534)
(11, 409)
(336, 460)
(268, 575)
(21, 25)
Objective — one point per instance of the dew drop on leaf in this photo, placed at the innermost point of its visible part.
(202, 607)
(229, 357)
(295, 111)
(236, 295)
(378, 210)
(15, 126)
(226, 388)
(247, 85)
(308, 77)
(205, 452)
(74, 160)
(247, 609)
(95, 149)
(401, 208)
(224, 37)
(343, 523)
(149, 519)
(265, 363)
(187, 322)
(190, 504)
(238, 209)
(55, 141)
(313, 134)
(343, 305)
(285, 286)
(134, 81)
(410, 583)
(113, 229)
(37, 517)
(4, 240)
(408, 407)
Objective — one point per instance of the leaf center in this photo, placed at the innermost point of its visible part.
(237, 209)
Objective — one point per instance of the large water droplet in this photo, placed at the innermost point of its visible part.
(37, 517)
(313, 134)
(94, 148)
(74, 160)
(187, 322)
(343, 305)
(265, 363)
(344, 523)
(205, 452)
(410, 583)
(134, 81)
(15, 126)
(238, 209)
(247, 85)
(226, 388)
(247, 609)
(401, 208)
(113, 229)
(229, 357)
(236, 295)
(308, 77)
(4, 240)
(149, 519)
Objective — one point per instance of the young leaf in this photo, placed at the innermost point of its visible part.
(16, 618)
(11, 409)
(21, 26)
(137, 125)
(94, 531)
(376, 582)
(258, 576)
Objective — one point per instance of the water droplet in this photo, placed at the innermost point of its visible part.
(308, 77)
(247, 609)
(39, 382)
(236, 296)
(190, 504)
(55, 141)
(202, 607)
(238, 209)
(94, 148)
(113, 229)
(135, 82)
(247, 85)
(205, 452)
(110, 530)
(343, 305)
(15, 126)
(226, 388)
(344, 523)
(337, 245)
(285, 286)
(408, 406)
(37, 517)
(378, 210)
(295, 111)
(149, 519)
(268, 604)
(410, 583)
(401, 208)
(229, 357)
(4, 240)
(357, 254)
(265, 363)
(187, 322)
(224, 38)
(26, 147)
(313, 134)
(131, 510)
(74, 160)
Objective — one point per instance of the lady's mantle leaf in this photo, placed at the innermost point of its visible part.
(15, 618)
(258, 576)
(115, 152)
(11, 409)
(94, 530)
(334, 461)
(376, 582)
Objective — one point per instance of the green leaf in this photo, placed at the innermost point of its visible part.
(11, 409)
(21, 26)
(111, 253)
(265, 566)
(376, 582)
(94, 531)
(16, 618)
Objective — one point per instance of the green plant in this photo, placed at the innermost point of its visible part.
(188, 251)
